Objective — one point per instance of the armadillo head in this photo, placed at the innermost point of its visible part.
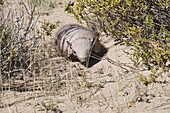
(81, 49)
(96, 45)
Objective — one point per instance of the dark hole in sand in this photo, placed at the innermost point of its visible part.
(93, 60)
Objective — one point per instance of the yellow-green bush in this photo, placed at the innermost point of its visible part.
(143, 25)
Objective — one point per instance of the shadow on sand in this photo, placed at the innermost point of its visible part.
(94, 60)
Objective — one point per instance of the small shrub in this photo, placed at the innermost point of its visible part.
(16, 40)
(48, 27)
(23, 43)
(143, 25)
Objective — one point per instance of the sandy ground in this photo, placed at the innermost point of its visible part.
(103, 88)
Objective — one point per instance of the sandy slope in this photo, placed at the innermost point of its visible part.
(105, 88)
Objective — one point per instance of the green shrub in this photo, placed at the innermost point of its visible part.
(142, 25)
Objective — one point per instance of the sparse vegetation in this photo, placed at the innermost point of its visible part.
(34, 78)
(23, 43)
(49, 27)
(45, 3)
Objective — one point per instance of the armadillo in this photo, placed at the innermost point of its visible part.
(76, 42)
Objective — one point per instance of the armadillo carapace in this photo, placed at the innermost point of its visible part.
(77, 42)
